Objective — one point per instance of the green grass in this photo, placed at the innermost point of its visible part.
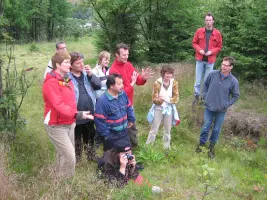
(237, 168)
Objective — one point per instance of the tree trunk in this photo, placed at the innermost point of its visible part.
(1, 7)
(1, 80)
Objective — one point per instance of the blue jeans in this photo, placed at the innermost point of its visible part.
(202, 69)
(209, 116)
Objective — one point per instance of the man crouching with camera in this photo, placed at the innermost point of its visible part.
(118, 165)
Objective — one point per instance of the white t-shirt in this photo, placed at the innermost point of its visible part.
(49, 68)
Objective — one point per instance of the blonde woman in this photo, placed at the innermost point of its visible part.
(101, 71)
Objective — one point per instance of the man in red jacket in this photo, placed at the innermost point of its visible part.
(130, 77)
(207, 43)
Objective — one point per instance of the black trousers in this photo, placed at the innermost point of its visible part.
(84, 135)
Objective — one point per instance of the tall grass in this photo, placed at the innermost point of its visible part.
(237, 168)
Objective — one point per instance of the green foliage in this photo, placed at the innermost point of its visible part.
(162, 31)
(13, 86)
(132, 191)
(73, 28)
(243, 38)
(153, 29)
(34, 20)
(33, 47)
(118, 24)
(150, 154)
(32, 154)
(165, 34)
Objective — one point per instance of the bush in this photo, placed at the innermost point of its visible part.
(33, 47)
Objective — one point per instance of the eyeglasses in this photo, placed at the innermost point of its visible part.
(225, 65)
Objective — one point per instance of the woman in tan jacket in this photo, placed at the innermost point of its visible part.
(165, 96)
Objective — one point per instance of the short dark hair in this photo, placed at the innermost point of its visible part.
(111, 79)
(75, 56)
(210, 15)
(230, 59)
(59, 43)
(121, 46)
(166, 69)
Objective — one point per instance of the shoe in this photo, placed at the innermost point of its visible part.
(199, 148)
(211, 152)
(98, 142)
(140, 166)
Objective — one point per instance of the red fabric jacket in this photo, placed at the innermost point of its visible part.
(126, 71)
(60, 105)
(215, 43)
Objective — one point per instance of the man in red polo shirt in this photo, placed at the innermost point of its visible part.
(130, 77)
(207, 43)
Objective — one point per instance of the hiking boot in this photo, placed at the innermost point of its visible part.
(98, 142)
(211, 152)
(199, 148)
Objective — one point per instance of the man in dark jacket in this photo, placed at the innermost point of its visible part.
(85, 82)
(221, 90)
(113, 113)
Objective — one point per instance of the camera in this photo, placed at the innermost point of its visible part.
(129, 156)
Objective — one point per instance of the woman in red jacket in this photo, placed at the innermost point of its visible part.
(60, 113)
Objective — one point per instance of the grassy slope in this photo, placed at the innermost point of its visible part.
(237, 169)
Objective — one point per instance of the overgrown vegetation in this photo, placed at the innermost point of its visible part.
(239, 169)
(14, 85)
(162, 31)
(158, 31)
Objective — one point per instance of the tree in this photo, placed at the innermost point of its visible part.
(156, 28)
(244, 34)
(117, 21)
(166, 27)
(34, 19)
(58, 12)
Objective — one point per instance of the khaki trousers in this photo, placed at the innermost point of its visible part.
(62, 137)
(167, 125)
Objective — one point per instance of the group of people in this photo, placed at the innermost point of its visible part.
(86, 107)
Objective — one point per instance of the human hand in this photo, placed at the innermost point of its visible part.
(130, 124)
(161, 98)
(123, 161)
(147, 73)
(208, 53)
(134, 78)
(88, 70)
(133, 161)
(202, 52)
(87, 115)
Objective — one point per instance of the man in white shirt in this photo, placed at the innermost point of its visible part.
(60, 46)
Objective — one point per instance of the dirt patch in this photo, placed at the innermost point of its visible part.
(246, 125)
